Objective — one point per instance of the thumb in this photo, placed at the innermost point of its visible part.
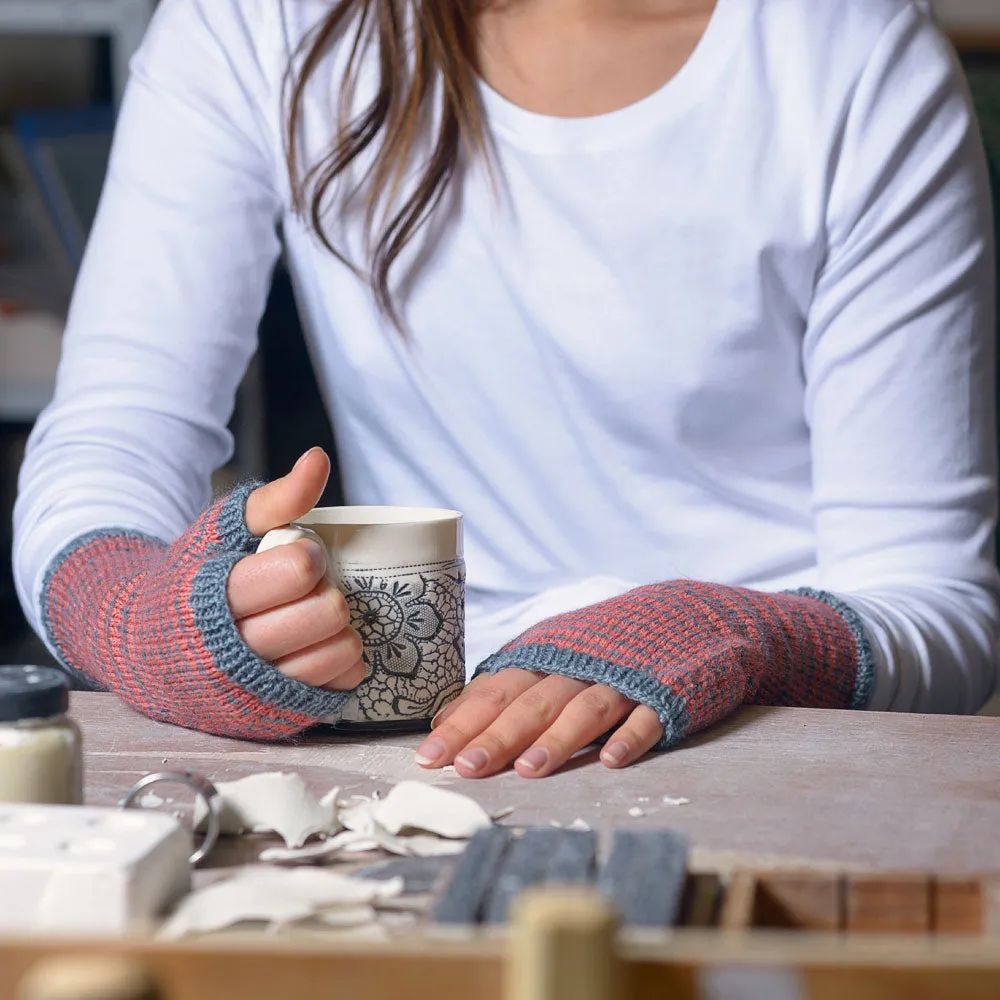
(285, 499)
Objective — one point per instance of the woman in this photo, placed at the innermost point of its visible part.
(686, 304)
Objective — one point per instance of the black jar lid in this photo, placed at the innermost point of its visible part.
(28, 692)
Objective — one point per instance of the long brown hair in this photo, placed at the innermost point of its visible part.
(419, 41)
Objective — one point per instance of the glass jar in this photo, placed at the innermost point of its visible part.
(41, 756)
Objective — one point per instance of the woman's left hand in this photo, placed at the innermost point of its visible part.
(537, 722)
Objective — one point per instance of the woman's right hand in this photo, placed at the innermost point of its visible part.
(285, 608)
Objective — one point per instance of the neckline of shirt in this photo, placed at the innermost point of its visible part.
(550, 134)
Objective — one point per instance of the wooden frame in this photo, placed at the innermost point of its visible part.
(863, 903)
(421, 968)
(561, 946)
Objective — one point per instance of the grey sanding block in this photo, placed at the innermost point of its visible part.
(463, 898)
(540, 856)
(645, 876)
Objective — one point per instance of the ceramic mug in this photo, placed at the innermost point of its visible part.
(402, 573)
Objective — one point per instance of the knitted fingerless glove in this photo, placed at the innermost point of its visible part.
(695, 652)
(151, 622)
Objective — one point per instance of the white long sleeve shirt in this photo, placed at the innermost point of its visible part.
(740, 331)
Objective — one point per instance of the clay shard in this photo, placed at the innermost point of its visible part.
(330, 799)
(273, 896)
(345, 842)
(418, 845)
(357, 816)
(412, 805)
(275, 802)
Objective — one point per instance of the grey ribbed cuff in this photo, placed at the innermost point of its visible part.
(235, 658)
(231, 524)
(222, 638)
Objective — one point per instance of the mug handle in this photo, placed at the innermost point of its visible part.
(285, 536)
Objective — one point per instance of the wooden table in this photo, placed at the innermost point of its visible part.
(879, 791)
(885, 791)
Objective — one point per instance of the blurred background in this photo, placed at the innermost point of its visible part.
(63, 65)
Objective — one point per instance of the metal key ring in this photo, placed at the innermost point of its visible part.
(202, 788)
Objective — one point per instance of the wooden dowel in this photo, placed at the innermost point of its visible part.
(738, 902)
(562, 947)
(88, 977)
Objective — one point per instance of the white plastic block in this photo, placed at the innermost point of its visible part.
(79, 870)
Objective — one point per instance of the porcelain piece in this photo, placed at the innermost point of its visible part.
(273, 896)
(416, 806)
(275, 802)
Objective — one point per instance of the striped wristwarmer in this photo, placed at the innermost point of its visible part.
(151, 623)
(695, 652)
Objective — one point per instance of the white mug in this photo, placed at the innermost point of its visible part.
(402, 573)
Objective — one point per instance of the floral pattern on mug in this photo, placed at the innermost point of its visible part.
(392, 620)
(412, 625)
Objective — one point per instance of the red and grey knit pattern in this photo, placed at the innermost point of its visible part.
(695, 652)
(151, 623)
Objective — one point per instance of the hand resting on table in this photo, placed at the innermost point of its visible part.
(536, 722)
(650, 666)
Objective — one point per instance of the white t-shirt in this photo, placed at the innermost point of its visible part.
(740, 331)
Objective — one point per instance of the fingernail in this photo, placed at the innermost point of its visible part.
(317, 554)
(430, 751)
(473, 760)
(534, 759)
(615, 753)
(303, 457)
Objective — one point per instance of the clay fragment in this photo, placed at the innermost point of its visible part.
(412, 805)
(274, 802)
(273, 896)
(345, 842)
